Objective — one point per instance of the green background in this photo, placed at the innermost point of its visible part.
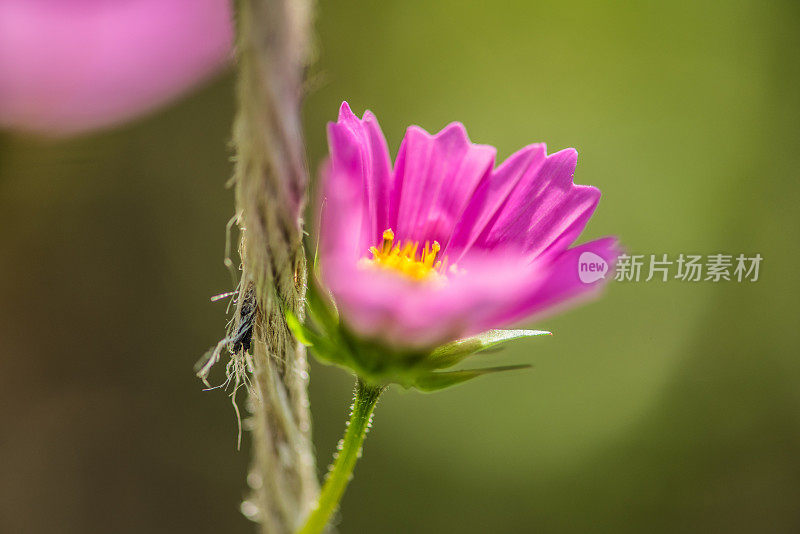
(662, 407)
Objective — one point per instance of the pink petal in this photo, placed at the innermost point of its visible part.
(359, 147)
(490, 195)
(490, 292)
(407, 313)
(73, 65)
(435, 177)
(343, 236)
(562, 286)
(545, 212)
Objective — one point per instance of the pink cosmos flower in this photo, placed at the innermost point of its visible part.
(443, 244)
(73, 65)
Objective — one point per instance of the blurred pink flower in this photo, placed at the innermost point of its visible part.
(74, 65)
(444, 245)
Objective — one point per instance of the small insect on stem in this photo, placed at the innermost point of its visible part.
(240, 334)
(237, 343)
(241, 339)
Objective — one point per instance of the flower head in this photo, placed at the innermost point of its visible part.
(442, 245)
(74, 65)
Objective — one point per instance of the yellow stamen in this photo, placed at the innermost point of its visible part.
(388, 238)
(403, 258)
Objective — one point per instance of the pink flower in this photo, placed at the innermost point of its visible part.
(444, 245)
(74, 65)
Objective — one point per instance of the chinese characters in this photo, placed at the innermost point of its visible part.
(688, 268)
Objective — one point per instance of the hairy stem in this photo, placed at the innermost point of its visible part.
(364, 401)
(273, 47)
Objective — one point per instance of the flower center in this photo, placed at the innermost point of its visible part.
(406, 258)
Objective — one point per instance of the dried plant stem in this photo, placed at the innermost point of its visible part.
(271, 178)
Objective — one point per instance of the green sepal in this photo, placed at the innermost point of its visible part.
(441, 380)
(452, 353)
(300, 332)
(321, 346)
(321, 308)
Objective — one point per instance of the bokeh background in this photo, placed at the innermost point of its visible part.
(663, 407)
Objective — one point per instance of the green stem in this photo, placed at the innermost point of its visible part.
(364, 401)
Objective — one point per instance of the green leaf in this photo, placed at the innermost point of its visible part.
(452, 353)
(440, 380)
